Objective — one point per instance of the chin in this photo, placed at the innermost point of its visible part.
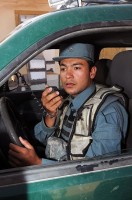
(72, 93)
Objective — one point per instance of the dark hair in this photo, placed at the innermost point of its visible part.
(91, 64)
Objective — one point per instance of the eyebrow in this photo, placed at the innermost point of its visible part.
(74, 64)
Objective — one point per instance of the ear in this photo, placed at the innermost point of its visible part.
(93, 72)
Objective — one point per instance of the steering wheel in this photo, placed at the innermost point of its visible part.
(10, 125)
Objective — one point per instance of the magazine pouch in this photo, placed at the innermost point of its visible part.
(56, 149)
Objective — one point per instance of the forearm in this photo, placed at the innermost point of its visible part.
(50, 119)
(42, 132)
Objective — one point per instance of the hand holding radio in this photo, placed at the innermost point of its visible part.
(61, 91)
(52, 99)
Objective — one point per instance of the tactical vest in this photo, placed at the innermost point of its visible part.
(83, 125)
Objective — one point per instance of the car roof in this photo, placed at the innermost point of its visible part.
(96, 24)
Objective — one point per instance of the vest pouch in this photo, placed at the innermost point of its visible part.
(56, 149)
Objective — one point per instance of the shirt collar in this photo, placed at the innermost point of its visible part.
(78, 101)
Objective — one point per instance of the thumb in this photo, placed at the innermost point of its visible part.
(25, 143)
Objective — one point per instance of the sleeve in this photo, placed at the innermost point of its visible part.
(110, 126)
(42, 132)
(48, 161)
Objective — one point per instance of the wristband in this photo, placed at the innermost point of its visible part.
(51, 115)
(45, 113)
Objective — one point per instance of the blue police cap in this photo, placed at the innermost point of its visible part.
(76, 50)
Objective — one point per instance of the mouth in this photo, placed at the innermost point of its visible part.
(69, 85)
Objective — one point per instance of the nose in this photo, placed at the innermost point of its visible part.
(69, 73)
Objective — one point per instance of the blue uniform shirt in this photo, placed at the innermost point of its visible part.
(109, 128)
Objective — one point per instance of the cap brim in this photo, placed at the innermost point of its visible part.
(64, 57)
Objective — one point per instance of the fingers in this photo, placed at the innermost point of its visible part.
(17, 148)
(51, 100)
(48, 95)
(25, 143)
(16, 154)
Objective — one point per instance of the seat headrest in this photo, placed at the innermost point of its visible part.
(103, 66)
(121, 71)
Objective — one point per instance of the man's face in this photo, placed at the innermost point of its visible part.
(75, 75)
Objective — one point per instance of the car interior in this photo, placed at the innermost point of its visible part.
(20, 111)
(16, 107)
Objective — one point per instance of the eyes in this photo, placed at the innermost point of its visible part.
(75, 67)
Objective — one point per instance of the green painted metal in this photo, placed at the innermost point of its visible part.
(49, 24)
(109, 184)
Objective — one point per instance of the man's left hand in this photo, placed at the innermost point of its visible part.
(23, 156)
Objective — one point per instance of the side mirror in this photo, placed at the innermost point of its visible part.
(13, 82)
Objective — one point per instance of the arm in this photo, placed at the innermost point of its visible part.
(110, 127)
(51, 102)
(24, 156)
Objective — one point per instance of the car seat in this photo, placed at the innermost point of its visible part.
(120, 73)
